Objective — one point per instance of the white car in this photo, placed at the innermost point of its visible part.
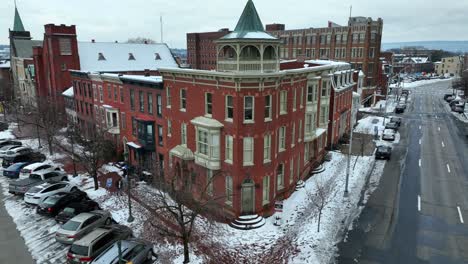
(36, 167)
(40, 192)
(388, 134)
(5, 149)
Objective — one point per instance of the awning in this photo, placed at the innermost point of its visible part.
(134, 145)
(206, 122)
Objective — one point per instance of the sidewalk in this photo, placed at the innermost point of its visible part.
(12, 247)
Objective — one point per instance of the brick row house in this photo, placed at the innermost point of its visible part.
(252, 128)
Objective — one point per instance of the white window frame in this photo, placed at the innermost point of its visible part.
(228, 151)
(291, 170)
(280, 177)
(282, 139)
(270, 112)
(208, 112)
(266, 190)
(299, 139)
(253, 109)
(229, 119)
(169, 128)
(183, 134)
(248, 146)
(267, 148)
(229, 190)
(183, 100)
(293, 135)
(308, 127)
(302, 97)
(283, 102)
(294, 100)
(168, 97)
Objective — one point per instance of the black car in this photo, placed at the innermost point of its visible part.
(399, 109)
(396, 120)
(391, 125)
(52, 205)
(6, 142)
(383, 152)
(29, 157)
(446, 96)
(74, 209)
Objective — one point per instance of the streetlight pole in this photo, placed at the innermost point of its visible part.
(348, 162)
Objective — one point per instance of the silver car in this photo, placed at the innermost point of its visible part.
(82, 224)
(136, 251)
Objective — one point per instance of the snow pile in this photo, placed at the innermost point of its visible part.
(418, 83)
(369, 124)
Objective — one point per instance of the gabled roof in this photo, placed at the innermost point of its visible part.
(24, 47)
(18, 24)
(249, 25)
(115, 57)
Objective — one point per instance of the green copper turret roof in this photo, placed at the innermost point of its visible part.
(18, 24)
(249, 25)
(249, 20)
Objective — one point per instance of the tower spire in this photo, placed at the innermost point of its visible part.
(17, 24)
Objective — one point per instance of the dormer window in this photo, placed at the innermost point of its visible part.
(157, 57)
(131, 57)
(101, 56)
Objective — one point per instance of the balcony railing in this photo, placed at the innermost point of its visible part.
(248, 66)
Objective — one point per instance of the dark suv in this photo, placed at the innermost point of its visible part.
(52, 205)
(29, 157)
(399, 109)
(383, 152)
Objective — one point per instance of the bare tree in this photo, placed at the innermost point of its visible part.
(141, 40)
(321, 195)
(91, 151)
(179, 201)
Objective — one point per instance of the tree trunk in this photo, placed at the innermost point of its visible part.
(96, 185)
(186, 249)
(318, 224)
(49, 142)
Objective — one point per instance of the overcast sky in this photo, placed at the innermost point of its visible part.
(110, 20)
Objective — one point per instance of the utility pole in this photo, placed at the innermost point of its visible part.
(130, 216)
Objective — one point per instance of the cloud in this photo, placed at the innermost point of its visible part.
(110, 20)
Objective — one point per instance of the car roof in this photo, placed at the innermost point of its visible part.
(92, 236)
(22, 148)
(36, 165)
(111, 253)
(81, 217)
(389, 130)
(42, 172)
(16, 165)
(8, 147)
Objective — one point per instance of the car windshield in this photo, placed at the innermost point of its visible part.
(34, 177)
(79, 250)
(71, 225)
(51, 200)
(10, 152)
(383, 149)
(69, 210)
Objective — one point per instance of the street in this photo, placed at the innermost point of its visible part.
(419, 212)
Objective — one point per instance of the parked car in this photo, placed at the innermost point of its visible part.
(388, 134)
(6, 142)
(396, 120)
(399, 109)
(88, 247)
(383, 152)
(391, 125)
(3, 126)
(75, 209)
(404, 92)
(81, 224)
(31, 157)
(38, 193)
(36, 167)
(13, 171)
(21, 150)
(447, 96)
(52, 205)
(136, 251)
(22, 186)
(6, 148)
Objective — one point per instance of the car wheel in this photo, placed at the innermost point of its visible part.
(108, 221)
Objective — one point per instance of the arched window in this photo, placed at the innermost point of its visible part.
(269, 53)
(227, 53)
(250, 53)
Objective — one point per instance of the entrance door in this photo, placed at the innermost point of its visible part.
(248, 197)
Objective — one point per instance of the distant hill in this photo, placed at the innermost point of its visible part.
(453, 46)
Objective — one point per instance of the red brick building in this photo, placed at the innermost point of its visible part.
(252, 129)
(357, 43)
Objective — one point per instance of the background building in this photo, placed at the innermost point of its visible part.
(6, 91)
(451, 66)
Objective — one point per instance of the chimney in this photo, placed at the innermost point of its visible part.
(146, 42)
(116, 41)
(93, 41)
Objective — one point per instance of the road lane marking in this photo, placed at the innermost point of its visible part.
(419, 141)
(443, 145)
(419, 162)
(419, 127)
(439, 128)
(419, 203)
(460, 214)
(448, 168)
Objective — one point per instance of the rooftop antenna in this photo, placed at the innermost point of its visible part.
(161, 21)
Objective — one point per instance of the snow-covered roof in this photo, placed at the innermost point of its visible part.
(249, 35)
(5, 65)
(319, 131)
(114, 57)
(133, 145)
(326, 62)
(206, 122)
(138, 78)
(68, 92)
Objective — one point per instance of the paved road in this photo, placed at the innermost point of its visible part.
(12, 247)
(416, 214)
